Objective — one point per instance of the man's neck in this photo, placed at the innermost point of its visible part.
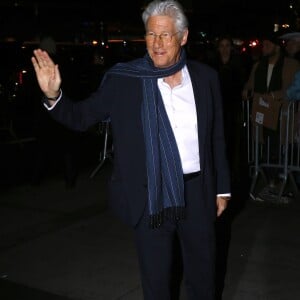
(174, 79)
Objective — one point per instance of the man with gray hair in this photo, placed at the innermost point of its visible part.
(170, 176)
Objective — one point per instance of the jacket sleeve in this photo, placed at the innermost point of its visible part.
(219, 147)
(290, 68)
(82, 114)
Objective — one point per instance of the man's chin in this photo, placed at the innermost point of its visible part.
(161, 65)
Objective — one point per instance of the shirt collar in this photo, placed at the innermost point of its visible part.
(185, 77)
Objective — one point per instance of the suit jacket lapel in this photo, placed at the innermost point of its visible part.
(200, 93)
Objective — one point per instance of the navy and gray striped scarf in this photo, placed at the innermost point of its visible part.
(164, 169)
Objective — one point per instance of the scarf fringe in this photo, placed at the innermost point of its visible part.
(169, 213)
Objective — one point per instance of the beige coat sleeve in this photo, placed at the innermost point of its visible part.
(290, 67)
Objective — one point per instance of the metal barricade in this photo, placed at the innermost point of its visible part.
(246, 123)
(286, 162)
(106, 151)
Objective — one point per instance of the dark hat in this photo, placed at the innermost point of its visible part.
(291, 36)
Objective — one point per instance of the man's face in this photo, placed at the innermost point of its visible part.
(268, 48)
(163, 41)
(224, 47)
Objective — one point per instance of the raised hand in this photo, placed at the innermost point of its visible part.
(47, 73)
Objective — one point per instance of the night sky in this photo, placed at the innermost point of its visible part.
(27, 19)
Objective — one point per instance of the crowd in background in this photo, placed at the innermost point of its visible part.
(234, 64)
(243, 73)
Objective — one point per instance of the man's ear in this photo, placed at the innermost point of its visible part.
(184, 37)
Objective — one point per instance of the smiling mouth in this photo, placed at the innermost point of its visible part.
(159, 53)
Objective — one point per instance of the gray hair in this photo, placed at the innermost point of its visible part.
(169, 8)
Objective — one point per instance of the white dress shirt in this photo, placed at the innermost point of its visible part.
(180, 106)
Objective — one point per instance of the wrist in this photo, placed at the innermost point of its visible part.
(55, 97)
(227, 198)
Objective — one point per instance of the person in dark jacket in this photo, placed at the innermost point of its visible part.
(232, 73)
(170, 174)
(267, 83)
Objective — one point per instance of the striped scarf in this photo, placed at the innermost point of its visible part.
(164, 169)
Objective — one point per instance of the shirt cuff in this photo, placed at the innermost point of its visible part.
(224, 195)
(48, 107)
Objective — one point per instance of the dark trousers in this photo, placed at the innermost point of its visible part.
(157, 253)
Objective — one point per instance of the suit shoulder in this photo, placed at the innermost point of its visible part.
(200, 68)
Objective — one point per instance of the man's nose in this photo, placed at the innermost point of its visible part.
(157, 40)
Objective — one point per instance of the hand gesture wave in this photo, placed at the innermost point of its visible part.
(47, 73)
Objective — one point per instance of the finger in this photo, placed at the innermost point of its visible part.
(46, 60)
(35, 63)
(221, 206)
(38, 57)
(220, 211)
(42, 58)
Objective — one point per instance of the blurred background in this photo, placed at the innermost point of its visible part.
(55, 228)
(85, 38)
(78, 20)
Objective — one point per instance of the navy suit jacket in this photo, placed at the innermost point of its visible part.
(119, 98)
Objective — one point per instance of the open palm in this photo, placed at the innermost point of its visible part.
(47, 73)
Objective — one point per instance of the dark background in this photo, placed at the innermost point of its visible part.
(69, 20)
(24, 137)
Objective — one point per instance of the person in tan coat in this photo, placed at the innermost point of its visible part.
(262, 82)
(266, 86)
